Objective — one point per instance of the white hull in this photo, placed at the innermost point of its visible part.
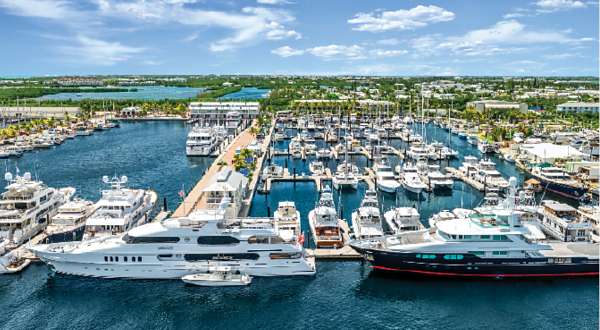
(413, 189)
(388, 187)
(200, 151)
(159, 270)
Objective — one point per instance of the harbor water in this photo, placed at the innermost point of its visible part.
(140, 93)
(341, 295)
(246, 93)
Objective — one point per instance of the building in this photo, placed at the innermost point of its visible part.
(578, 107)
(486, 105)
(227, 183)
(217, 112)
(38, 112)
(549, 152)
(130, 111)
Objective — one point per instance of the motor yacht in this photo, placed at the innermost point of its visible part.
(366, 220)
(325, 223)
(176, 247)
(119, 209)
(69, 222)
(401, 219)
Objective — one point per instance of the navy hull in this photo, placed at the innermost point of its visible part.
(472, 266)
(562, 189)
(67, 236)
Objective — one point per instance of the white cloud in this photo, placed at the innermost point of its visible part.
(272, 2)
(339, 52)
(402, 19)
(388, 42)
(59, 9)
(249, 25)
(502, 38)
(387, 52)
(99, 52)
(334, 51)
(287, 51)
(192, 37)
(556, 5)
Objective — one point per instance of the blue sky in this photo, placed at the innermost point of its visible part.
(376, 37)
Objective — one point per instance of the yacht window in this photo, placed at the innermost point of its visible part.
(264, 240)
(111, 259)
(165, 256)
(217, 240)
(453, 257)
(485, 236)
(149, 239)
(125, 259)
(500, 237)
(467, 236)
(105, 258)
(222, 256)
(500, 253)
(477, 253)
(139, 259)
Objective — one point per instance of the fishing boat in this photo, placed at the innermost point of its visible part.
(366, 220)
(401, 219)
(325, 223)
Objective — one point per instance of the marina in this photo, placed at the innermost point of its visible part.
(276, 164)
(262, 204)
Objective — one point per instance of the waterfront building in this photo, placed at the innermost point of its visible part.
(38, 112)
(217, 112)
(227, 184)
(485, 105)
(130, 111)
(578, 107)
(549, 152)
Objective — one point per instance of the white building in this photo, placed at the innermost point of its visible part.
(39, 112)
(130, 111)
(217, 111)
(578, 107)
(484, 105)
(550, 152)
(227, 183)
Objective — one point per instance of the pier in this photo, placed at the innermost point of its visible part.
(194, 199)
(456, 174)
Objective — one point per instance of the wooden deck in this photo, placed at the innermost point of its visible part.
(194, 199)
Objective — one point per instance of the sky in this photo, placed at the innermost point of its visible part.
(299, 37)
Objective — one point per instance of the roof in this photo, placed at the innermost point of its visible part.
(551, 151)
(227, 180)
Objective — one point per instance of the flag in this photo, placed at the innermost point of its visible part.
(301, 239)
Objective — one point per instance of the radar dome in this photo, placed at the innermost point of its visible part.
(27, 176)
(124, 179)
(105, 179)
(8, 176)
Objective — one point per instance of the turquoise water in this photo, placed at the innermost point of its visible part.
(341, 295)
(142, 93)
(246, 93)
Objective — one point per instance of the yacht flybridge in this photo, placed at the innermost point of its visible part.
(202, 141)
(26, 207)
(493, 244)
(366, 220)
(178, 247)
(119, 209)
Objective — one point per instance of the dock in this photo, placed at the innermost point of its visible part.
(456, 174)
(192, 201)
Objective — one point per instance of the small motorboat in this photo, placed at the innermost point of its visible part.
(221, 276)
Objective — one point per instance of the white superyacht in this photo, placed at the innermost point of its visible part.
(177, 247)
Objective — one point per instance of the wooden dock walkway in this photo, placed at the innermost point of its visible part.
(192, 200)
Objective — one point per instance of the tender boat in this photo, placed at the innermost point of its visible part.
(219, 276)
